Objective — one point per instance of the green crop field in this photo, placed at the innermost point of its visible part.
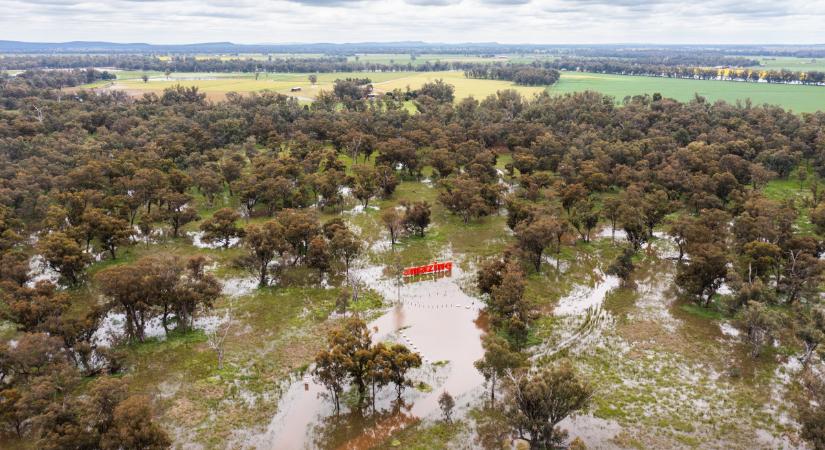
(792, 63)
(216, 85)
(796, 98)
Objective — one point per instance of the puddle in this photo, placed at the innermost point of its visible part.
(39, 271)
(654, 301)
(236, 287)
(595, 432)
(581, 317)
(584, 297)
(113, 327)
(197, 241)
(510, 187)
(555, 263)
(724, 289)
(729, 330)
(433, 317)
(359, 208)
(608, 233)
(380, 245)
(153, 237)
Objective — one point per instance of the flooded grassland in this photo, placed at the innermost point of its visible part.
(665, 376)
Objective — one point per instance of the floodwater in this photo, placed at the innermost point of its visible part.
(587, 297)
(39, 271)
(431, 316)
(197, 241)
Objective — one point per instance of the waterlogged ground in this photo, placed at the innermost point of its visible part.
(666, 377)
(667, 374)
(431, 315)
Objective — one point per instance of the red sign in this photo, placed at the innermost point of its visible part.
(435, 267)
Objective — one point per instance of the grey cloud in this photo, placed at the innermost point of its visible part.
(432, 2)
(218, 14)
(326, 3)
(506, 2)
(739, 8)
(540, 21)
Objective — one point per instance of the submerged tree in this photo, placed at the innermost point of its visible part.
(447, 404)
(535, 236)
(704, 274)
(222, 227)
(400, 361)
(499, 358)
(350, 357)
(263, 244)
(623, 266)
(507, 306)
(64, 255)
(536, 403)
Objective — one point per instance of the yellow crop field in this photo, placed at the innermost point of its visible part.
(464, 87)
(218, 85)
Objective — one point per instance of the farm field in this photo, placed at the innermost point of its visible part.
(404, 58)
(216, 85)
(385, 58)
(797, 98)
(792, 63)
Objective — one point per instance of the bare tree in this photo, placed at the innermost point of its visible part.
(216, 338)
(40, 116)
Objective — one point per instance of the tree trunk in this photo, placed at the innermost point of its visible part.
(809, 351)
(493, 391)
(262, 275)
(164, 319)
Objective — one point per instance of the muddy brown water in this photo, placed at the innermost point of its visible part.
(432, 316)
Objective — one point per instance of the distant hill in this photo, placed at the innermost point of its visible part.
(489, 48)
(229, 47)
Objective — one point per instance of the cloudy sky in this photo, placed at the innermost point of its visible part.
(506, 21)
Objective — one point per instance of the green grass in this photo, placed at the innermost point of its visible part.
(425, 436)
(705, 313)
(792, 63)
(799, 191)
(797, 98)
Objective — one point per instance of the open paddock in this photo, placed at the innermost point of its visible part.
(217, 85)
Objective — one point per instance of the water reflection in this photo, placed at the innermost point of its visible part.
(433, 317)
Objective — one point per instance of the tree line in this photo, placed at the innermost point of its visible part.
(270, 64)
(699, 72)
(525, 76)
